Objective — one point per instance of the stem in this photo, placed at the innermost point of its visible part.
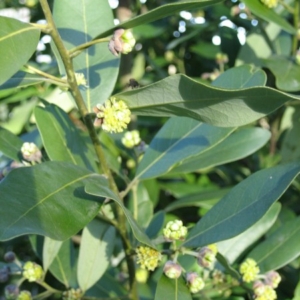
(48, 287)
(287, 7)
(296, 22)
(77, 50)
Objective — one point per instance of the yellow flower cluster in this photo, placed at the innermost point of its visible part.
(175, 230)
(24, 295)
(195, 282)
(31, 152)
(270, 3)
(264, 292)
(131, 139)
(32, 271)
(113, 115)
(207, 256)
(72, 294)
(148, 257)
(249, 270)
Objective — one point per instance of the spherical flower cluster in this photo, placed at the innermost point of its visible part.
(195, 282)
(272, 279)
(31, 152)
(72, 294)
(32, 271)
(172, 269)
(141, 275)
(148, 258)
(122, 41)
(270, 3)
(113, 116)
(221, 58)
(263, 292)
(24, 295)
(207, 256)
(174, 230)
(249, 270)
(131, 139)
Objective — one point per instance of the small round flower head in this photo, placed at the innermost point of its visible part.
(122, 41)
(24, 295)
(174, 230)
(207, 256)
(172, 269)
(272, 279)
(141, 275)
(72, 294)
(249, 270)
(31, 152)
(258, 288)
(9, 256)
(270, 3)
(131, 139)
(113, 116)
(148, 258)
(264, 292)
(32, 271)
(221, 58)
(80, 79)
(195, 282)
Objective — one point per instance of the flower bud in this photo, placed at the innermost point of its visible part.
(131, 139)
(194, 282)
(32, 271)
(258, 288)
(9, 256)
(207, 256)
(11, 292)
(31, 152)
(174, 230)
(72, 294)
(221, 58)
(24, 295)
(122, 41)
(141, 275)
(272, 279)
(172, 269)
(249, 270)
(148, 257)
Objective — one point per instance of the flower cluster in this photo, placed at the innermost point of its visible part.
(113, 115)
(24, 295)
(270, 3)
(195, 282)
(174, 230)
(131, 139)
(148, 257)
(172, 269)
(32, 271)
(72, 294)
(122, 41)
(249, 270)
(207, 256)
(31, 152)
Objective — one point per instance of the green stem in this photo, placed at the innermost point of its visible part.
(48, 287)
(287, 7)
(296, 22)
(77, 50)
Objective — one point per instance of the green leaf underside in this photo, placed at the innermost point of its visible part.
(267, 14)
(64, 141)
(234, 247)
(93, 189)
(50, 250)
(99, 66)
(242, 206)
(48, 199)
(95, 252)
(159, 13)
(238, 145)
(17, 43)
(182, 96)
(10, 144)
(178, 139)
(172, 289)
(278, 249)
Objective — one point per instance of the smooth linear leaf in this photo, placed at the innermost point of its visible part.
(61, 139)
(234, 247)
(238, 145)
(180, 95)
(93, 189)
(10, 144)
(48, 199)
(243, 206)
(95, 252)
(178, 139)
(18, 41)
(280, 248)
(159, 13)
(50, 250)
(172, 289)
(98, 65)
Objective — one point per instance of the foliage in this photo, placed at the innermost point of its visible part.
(198, 197)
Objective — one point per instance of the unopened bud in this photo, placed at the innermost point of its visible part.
(175, 230)
(9, 256)
(24, 295)
(207, 256)
(194, 282)
(121, 42)
(32, 271)
(272, 279)
(172, 269)
(72, 294)
(31, 152)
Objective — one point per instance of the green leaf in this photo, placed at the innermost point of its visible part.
(172, 289)
(156, 224)
(269, 15)
(238, 145)
(50, 250)
(98, 65)
(48, 199)
(64, 265)
(21, 79)
(10, 145)
(241, 77)
(160, 12)
(180, 95)
(286, 73)
(178, 139)
(18, 41)
(278, 249)
(95, 252)
(243, 206)
(230, 270)
(234, 247)
(61, 139)
(93, 189)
